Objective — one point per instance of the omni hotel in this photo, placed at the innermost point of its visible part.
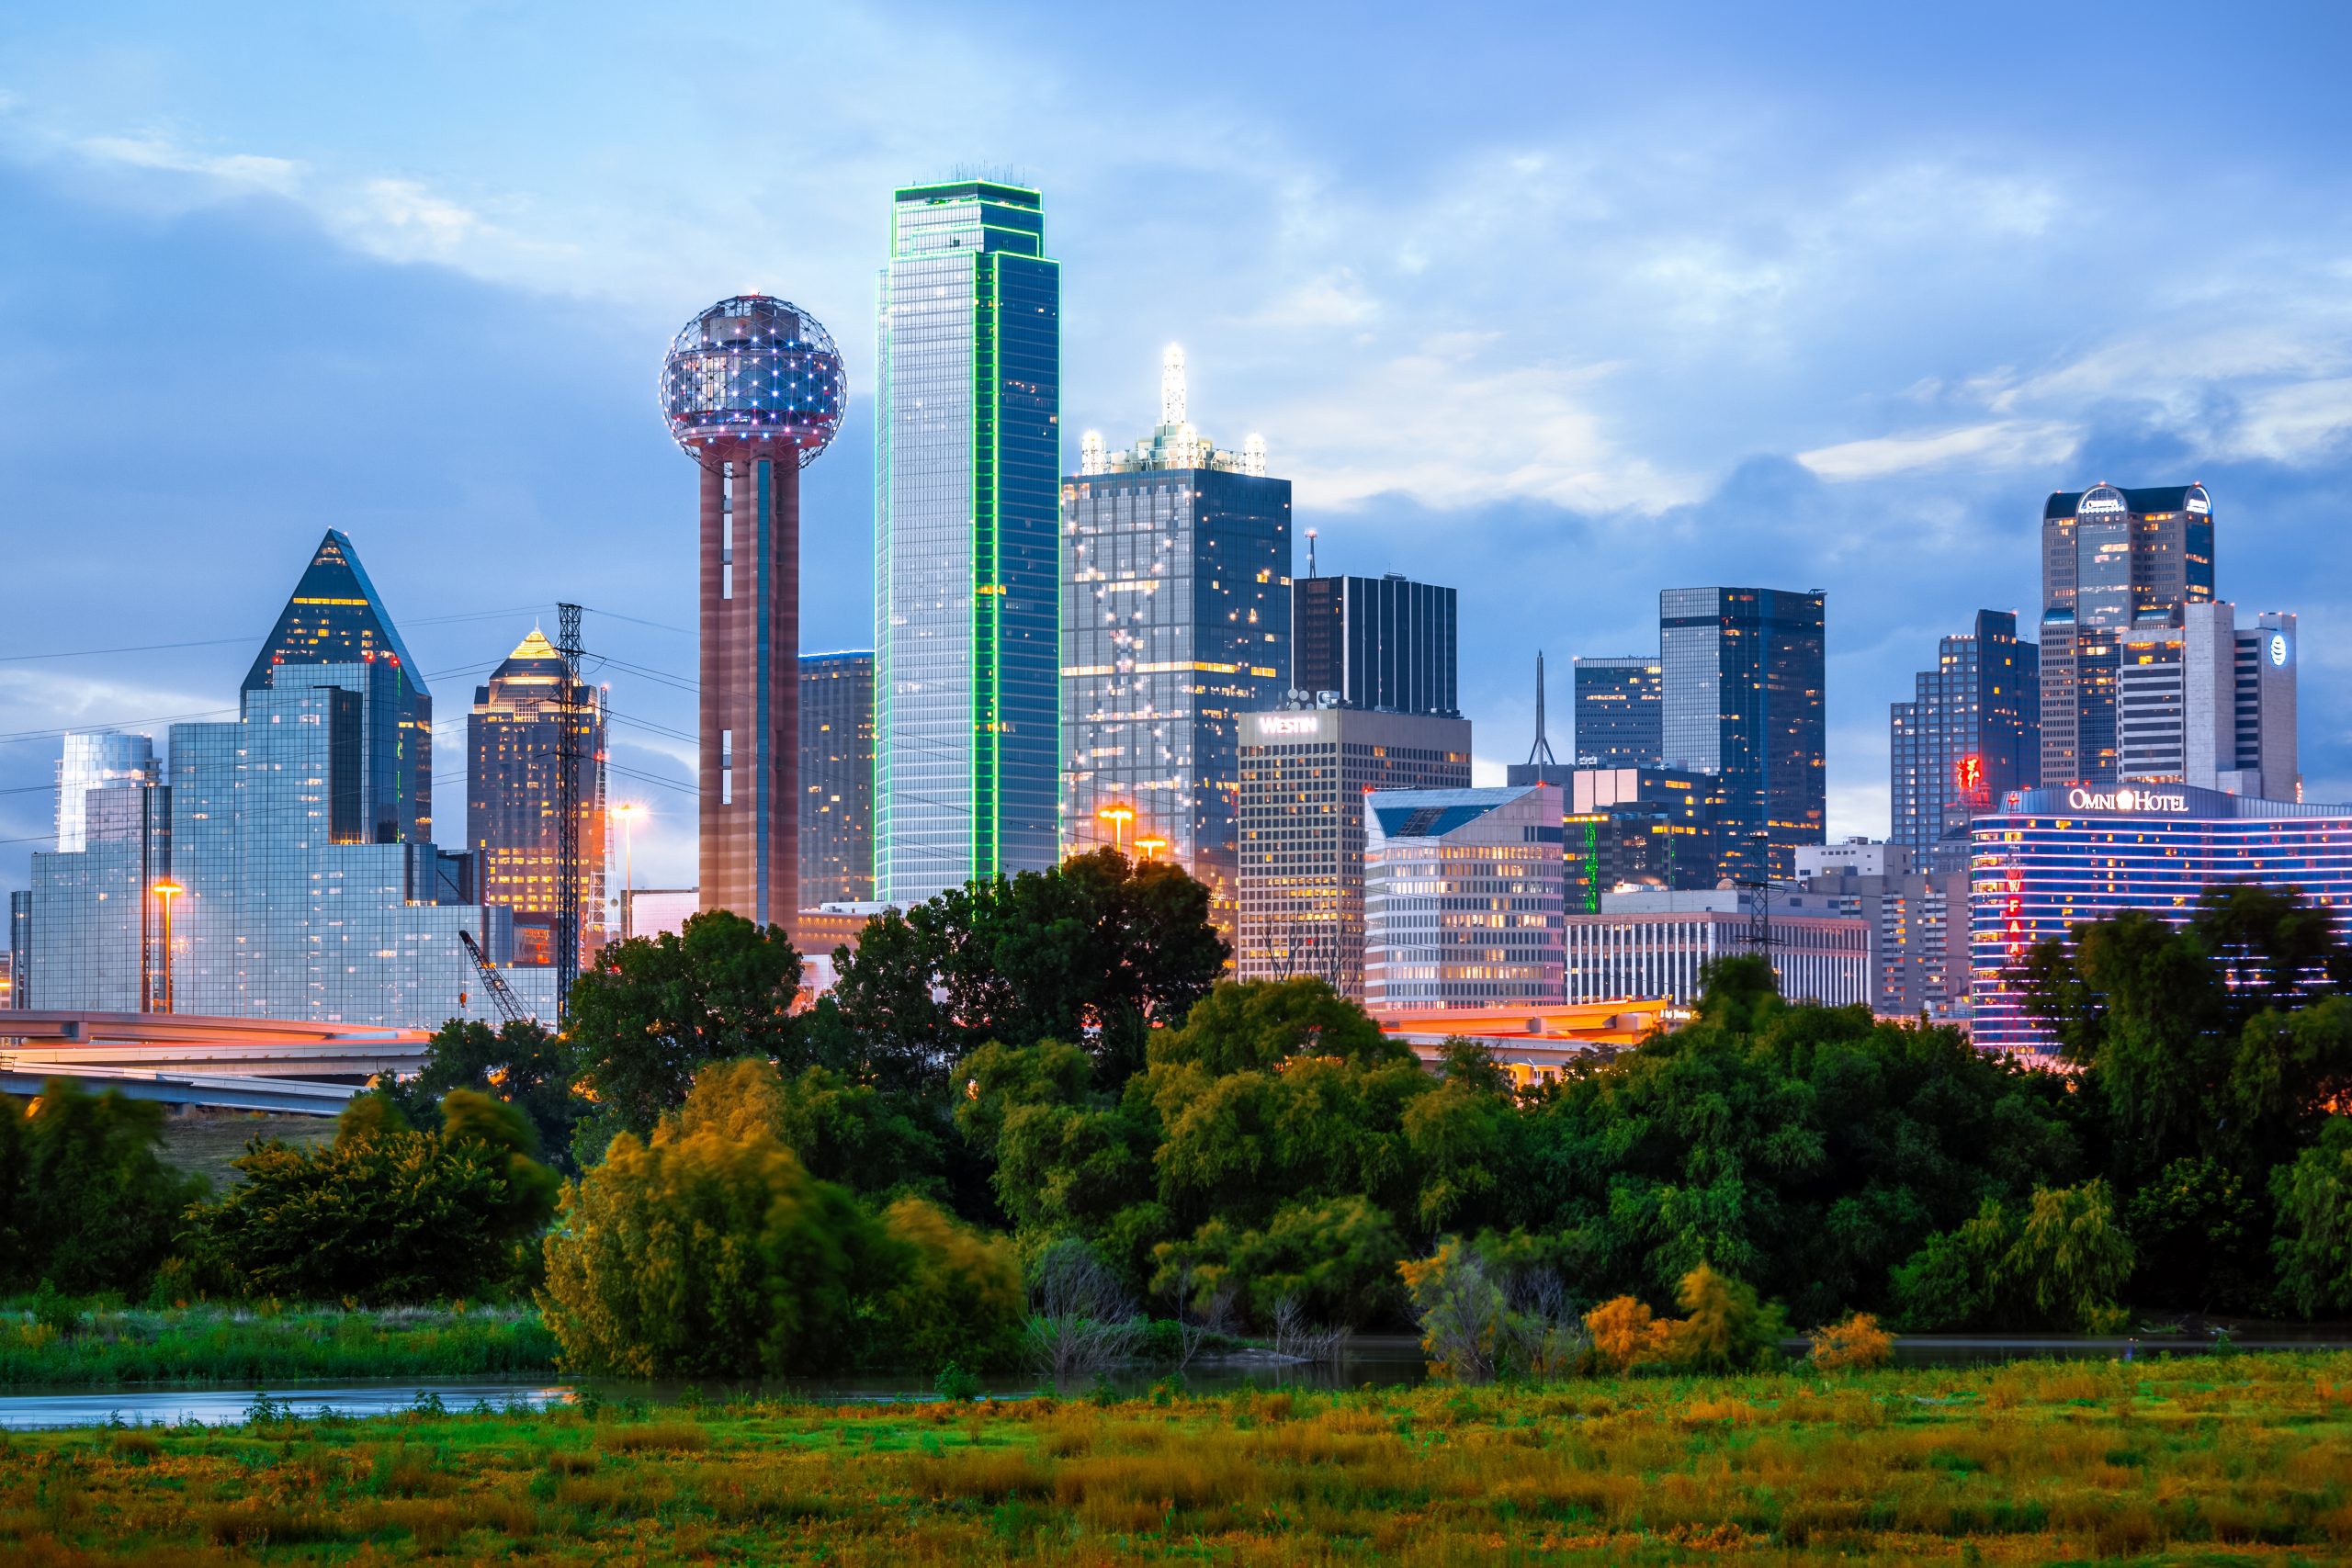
(2052, 859)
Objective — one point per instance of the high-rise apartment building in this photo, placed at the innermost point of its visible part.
(1971, 733)
(1176, 603)
(752, 390)
(967, 519)
(1386, 643)
(1744, 673)
(1462, 898)
(1306, 772)
(1917, 921)
(515, 753)
(1621, 712)
(93, 759)
(336, 617)
(836, 778)
(2207, 703)
(2111, 559)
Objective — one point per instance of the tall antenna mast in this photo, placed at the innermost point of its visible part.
(1540, 757)
(1310, 554)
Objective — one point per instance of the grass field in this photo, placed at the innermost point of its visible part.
(2236, 1458)
(214, 1344)
(202, 1142)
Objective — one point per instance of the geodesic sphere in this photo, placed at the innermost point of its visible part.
(756, 372)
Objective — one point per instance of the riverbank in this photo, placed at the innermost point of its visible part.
(2214, 1459)
(223, 1345)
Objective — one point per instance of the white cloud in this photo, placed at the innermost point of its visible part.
(245, 169)
(2002, 443)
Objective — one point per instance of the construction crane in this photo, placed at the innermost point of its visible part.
(502, 995)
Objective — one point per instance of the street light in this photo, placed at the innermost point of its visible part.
(165, 891)
(625, 813)
(1118, 817)
(1149, 845)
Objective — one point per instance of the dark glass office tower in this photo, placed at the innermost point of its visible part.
(968, 522)
(1744, 674)
(1971, 733)
(336, 617)
(836, 778)
(2111, 559)
(515, 760)
(1640, 827)
(1621, 712)
(1383, 643)
(1176, 604)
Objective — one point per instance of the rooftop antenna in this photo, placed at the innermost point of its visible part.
(1171, 385)
(1310, 554)
(1541, 756)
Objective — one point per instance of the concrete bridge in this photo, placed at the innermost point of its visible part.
(242, 1063)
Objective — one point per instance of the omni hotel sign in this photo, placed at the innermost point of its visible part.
(2125, 799)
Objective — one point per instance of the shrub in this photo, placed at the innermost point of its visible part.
(1080, 1320)
(1626, 1334)
(956, 1297)
(1479, 1322)
(84, 1202)
(1857, 1342)
(1335, 1261)
(2313, 1246)
(1723, 1327)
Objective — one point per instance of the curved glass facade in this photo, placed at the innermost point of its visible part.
(754, 368)
(2058, 858)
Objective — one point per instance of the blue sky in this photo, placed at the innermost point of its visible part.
(1560, 309)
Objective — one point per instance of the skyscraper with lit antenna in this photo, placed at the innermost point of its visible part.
(1176, 586)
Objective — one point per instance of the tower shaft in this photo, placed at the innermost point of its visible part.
(750, 682)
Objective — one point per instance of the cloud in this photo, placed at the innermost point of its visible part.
(2002, 444)
(251, 171)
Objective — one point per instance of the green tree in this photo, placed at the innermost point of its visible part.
(1097, 950)
(2314, 1195)
(520, 1062)
(1336, 1258)
(655, 1011)
(2060, 1264)
(85, 1201)
(385, 1213)
(2202, 1237)
(708, 1249)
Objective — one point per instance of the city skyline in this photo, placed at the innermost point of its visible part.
(1552, 494)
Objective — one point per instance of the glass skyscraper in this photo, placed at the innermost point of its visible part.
(1971, 733)
(1384, 643)
(1745, 669)
(93, 760)
(1620, 715)
(336, 617)
(2111, 559)
(967, 508)
(836, 778)
(1175, 622)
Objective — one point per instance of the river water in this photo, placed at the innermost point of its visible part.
(1377, 1362)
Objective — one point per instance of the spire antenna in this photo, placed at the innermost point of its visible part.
(1541, 756)
(1171, 385)
(1310, 554)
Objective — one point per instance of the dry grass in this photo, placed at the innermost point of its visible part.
(2241, 1460)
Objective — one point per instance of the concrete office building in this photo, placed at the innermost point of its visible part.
(1462, 896)
(2206, 704)
(1971, 733)
(1386, 643)
(1620, 712)
(2111, 559)
(1175, 622)
(1917, 922)
(1744, 673)
(836, 778)
(1657, 944)
(515, 752)
(968, 523)
(1306, 772)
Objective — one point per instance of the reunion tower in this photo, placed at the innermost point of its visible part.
(754, 390)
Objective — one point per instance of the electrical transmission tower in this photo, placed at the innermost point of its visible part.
(1760, 938)
(569, 798)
